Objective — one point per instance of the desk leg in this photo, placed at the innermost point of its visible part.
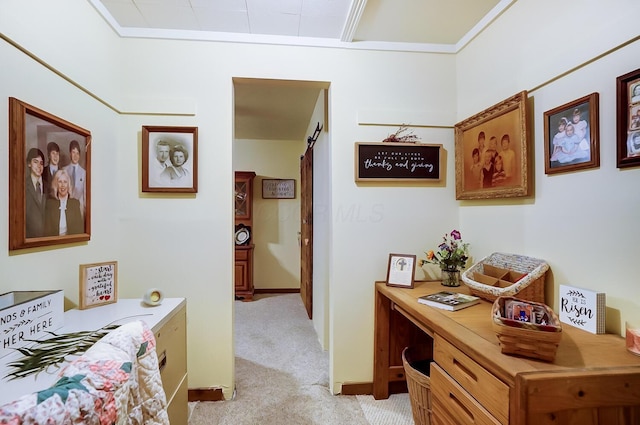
(381, 347)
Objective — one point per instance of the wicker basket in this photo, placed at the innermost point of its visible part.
(506, 275)
(523, 338)
(418, 384)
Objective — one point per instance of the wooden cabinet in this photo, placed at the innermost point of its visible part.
(171, 347)
(244, 272)
(593, 380)
(244, 234)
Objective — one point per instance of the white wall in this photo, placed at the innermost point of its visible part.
(583, 222)
(276, 222)
(31, 82)
(321, 219)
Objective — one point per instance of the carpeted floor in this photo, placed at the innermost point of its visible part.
(282, 375)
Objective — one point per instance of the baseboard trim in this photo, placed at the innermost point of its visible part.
(366, 388)
(205, 394)
(357, 388)
(276, 291)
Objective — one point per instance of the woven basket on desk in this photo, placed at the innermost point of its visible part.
(524, 277)
(523, 338)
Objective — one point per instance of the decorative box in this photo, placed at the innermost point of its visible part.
(28, 315)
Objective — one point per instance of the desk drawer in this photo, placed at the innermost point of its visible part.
(171, 346)
(453, 405)
(491, 392)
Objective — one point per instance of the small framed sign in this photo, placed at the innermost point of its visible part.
(278, 189)
(583, 309)
(401, 271)
(98, 284)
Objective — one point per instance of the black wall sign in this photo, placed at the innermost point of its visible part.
(397, 161)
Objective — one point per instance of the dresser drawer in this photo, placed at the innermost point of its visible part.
(171, 347)
(492, 393)
(453, 405)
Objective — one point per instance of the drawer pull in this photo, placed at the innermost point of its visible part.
(462, 407)
(465, 370)
(162, 361)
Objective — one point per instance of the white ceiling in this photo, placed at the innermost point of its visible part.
(405, 25)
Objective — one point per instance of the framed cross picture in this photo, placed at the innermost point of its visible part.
(401, 270)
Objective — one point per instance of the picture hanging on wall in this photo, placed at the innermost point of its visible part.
(492, 152)
(628, 122)
(571, 134)
(170, 159)
(49, 179)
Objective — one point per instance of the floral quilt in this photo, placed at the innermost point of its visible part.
(115, 382)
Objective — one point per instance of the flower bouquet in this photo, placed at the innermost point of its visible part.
(452, 254)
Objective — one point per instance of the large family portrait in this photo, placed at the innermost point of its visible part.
(491, 152)
(628, 112)
(50, 175)
(169, 159)
(571, 136)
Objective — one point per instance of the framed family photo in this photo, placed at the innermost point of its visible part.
(628, 119)
(170, 159)
(491, 150)
(401, 270)
(571, 133)
(49, 179)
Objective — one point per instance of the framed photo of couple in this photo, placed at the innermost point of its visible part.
(628, 117)
(571, 136)
(49, 179)
(169, 159)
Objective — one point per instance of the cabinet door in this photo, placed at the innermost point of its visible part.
(242, 275)
(243, 195)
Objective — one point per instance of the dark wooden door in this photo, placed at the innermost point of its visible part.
(306, 229)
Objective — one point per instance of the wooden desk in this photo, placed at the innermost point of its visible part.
(593, 379)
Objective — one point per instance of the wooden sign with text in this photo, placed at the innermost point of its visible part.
(98, 284)
(397, 162)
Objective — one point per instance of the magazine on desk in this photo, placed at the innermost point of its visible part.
(449, 300)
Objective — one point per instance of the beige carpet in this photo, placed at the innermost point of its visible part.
(282, 375)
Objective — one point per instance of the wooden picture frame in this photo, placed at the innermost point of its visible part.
(571, 136)
(98, 284)
(37, 185)
(628, 119)
(399, 162)
(401, 270)
(278, 189)
(479, 141)
(169, 159)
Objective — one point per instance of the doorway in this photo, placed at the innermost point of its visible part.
(287, 110)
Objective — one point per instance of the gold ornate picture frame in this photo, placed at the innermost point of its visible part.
(492, 152)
